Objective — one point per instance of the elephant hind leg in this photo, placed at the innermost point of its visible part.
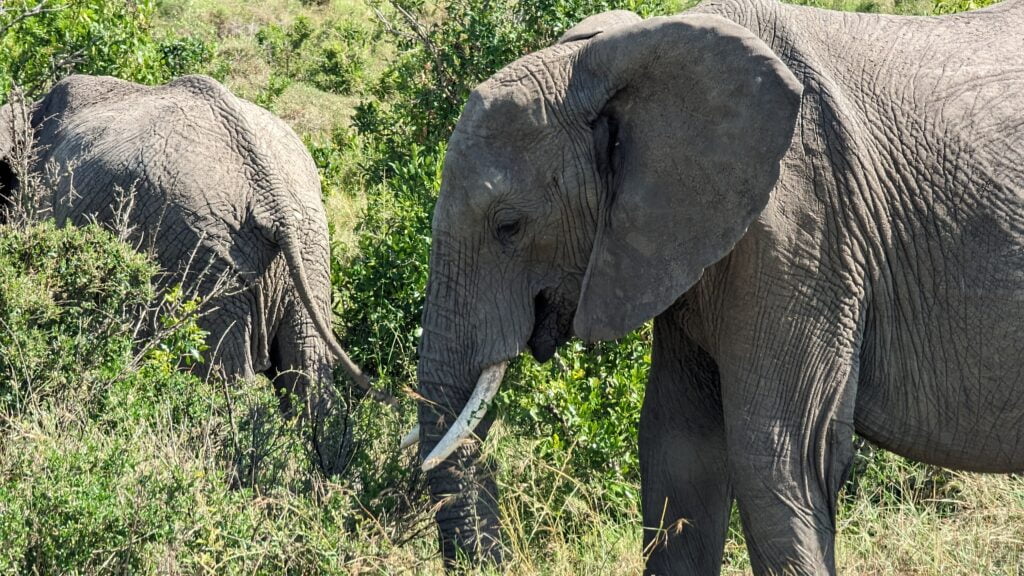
(686, 490)
(302, 374)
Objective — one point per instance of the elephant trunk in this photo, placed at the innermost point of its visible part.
(451, 411)
(296, 266)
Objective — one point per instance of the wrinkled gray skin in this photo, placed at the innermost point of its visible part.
(221, 188)
(824, 214)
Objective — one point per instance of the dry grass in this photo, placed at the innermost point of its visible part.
(311, 111)
(981, 531)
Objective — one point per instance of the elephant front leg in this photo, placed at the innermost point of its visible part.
(788, 393)
(686, 491)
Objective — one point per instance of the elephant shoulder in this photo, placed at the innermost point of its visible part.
(78, 92)
(202, 87)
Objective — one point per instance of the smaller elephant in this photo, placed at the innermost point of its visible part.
(216, 188)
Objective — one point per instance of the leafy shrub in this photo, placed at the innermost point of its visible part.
(124, 461)
(331, 56)
(586, 402)
(185, 55)
(339, 68)
(420, 96)
(337, 159)
(382, 290)
(41, 44)
(954, 6)
(69, 303)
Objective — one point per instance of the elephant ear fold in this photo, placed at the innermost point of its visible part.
(598, 23)
(691, 118)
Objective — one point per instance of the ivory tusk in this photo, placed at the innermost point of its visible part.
(410, 439)
(472, 413)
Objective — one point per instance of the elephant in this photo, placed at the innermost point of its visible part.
(823, 214)
(218, 189)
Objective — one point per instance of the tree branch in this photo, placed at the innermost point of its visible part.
(447, 83)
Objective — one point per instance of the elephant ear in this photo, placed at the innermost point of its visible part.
(597, 24)
(692, 115)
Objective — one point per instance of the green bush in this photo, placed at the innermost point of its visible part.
(331, 56)
(69, 302)
(585, 402)
(39, 47)
(382, 290)
(115, 459)
(954, 6)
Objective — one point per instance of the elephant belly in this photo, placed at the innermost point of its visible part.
(942, 359)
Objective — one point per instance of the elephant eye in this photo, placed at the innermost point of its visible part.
(507, 231)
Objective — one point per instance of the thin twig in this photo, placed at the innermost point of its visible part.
(447, 83)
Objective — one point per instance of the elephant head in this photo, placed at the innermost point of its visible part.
(586, 187)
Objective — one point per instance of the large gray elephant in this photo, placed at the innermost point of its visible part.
(824, 214)
(218, 189)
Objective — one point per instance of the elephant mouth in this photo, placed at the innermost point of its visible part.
(552, 325)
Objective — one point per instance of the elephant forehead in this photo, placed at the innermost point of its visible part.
(510, 111)
(470, 185)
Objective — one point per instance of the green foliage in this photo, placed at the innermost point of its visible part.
(953, 6)
(336, 158)
(421, 95)
(69, 299)
(41, 43)
(187, 55)
(276, 85)
(72, 508)
(586, 402)
(342, 60)
(331, 56)
(382, 290)
(115, 459)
